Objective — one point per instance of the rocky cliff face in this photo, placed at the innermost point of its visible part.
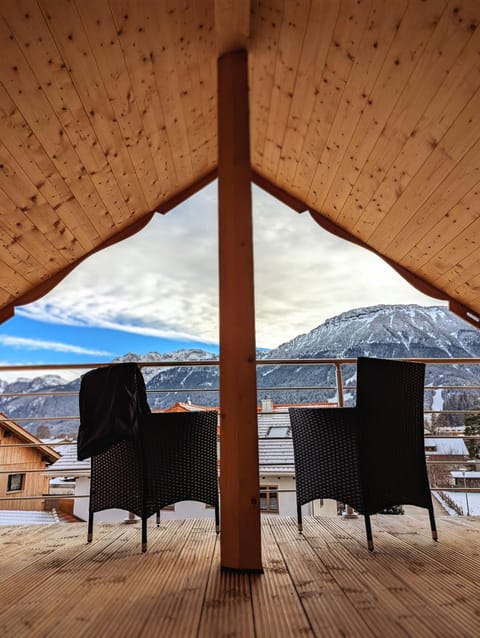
(379, 331)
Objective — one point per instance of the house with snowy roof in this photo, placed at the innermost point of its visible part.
(23, 456)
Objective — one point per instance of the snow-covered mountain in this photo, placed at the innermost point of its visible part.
(184, 354)
(387, 331)
(381, 331)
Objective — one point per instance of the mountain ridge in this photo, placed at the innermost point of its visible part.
(390, 331)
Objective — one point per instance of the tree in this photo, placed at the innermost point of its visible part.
(393, 509)
(472, 428)
(43, 432)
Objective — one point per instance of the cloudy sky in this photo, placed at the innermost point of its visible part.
(158, 291)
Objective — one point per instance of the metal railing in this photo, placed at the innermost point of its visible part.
(336, 391)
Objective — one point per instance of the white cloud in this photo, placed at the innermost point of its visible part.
(40, 344)
(163, 281)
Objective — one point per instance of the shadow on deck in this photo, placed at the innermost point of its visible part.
(324, 583)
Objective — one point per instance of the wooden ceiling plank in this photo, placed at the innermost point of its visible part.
(440, 57)
(31, 204)
(431, 227)
(186, 32)
(461, 272)
(443, 255)
(36, 111)
(11, 282)
(458, 142)
(329, 86)
(411, 30)
(291, 40)
(22, 144)
(355, 100)
(29, 236)
(42, 55)
(19, 260)
(320, 28)
(66, 207)
(158, 34)
(438, 117)
(232, 25)
(263, 48)
(469, 291)
(74, 48)
(108, 53)
(207, 77)
(130, 16)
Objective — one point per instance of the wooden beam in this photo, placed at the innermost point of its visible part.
(239, 475)
(232, 25)
(280, 194)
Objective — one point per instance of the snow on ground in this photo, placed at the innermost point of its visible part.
(460, 498)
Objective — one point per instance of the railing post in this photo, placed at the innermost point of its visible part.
(339, 380)
(349, 511)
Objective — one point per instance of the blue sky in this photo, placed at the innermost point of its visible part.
(25, 338)
(158, 291)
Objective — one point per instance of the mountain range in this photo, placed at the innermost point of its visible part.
(391, 331)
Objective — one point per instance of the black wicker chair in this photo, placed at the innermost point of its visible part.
(141, 462)
(179, 453)
(372, 456)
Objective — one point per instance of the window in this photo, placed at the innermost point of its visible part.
(15, 482)
(269, 498)
(278, 431)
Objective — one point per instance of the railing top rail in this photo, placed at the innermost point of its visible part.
(216, 362)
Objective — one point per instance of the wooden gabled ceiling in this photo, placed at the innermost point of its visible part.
(364, 112)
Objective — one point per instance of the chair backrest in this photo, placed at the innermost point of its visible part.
(112, 400)
(326, 455)
(391, 426)
(180, 458)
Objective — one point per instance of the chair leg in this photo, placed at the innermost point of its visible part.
(144, 533)
(158, 518)
(368, 529)
(217, 518)
(299, 518)
(433, 526)
(90, 527)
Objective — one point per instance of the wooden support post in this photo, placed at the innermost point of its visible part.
(239, 471)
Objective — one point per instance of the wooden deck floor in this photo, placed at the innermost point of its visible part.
(324, 583)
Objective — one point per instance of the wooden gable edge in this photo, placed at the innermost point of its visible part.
(42, 289)
(459, 309)
(462, 311)
(277, 192)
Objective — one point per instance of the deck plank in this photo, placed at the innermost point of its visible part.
(330, 613)
(321, 583)
(277, 609)
(441, 598)
(227, 608)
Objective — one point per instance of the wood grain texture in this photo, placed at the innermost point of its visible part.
(321, 583)
(363, 110)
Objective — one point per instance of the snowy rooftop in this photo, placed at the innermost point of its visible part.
(467, 474)
(27, 517)
(68, 465)
(447, 446)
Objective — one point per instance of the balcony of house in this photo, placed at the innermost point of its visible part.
(318, 583)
